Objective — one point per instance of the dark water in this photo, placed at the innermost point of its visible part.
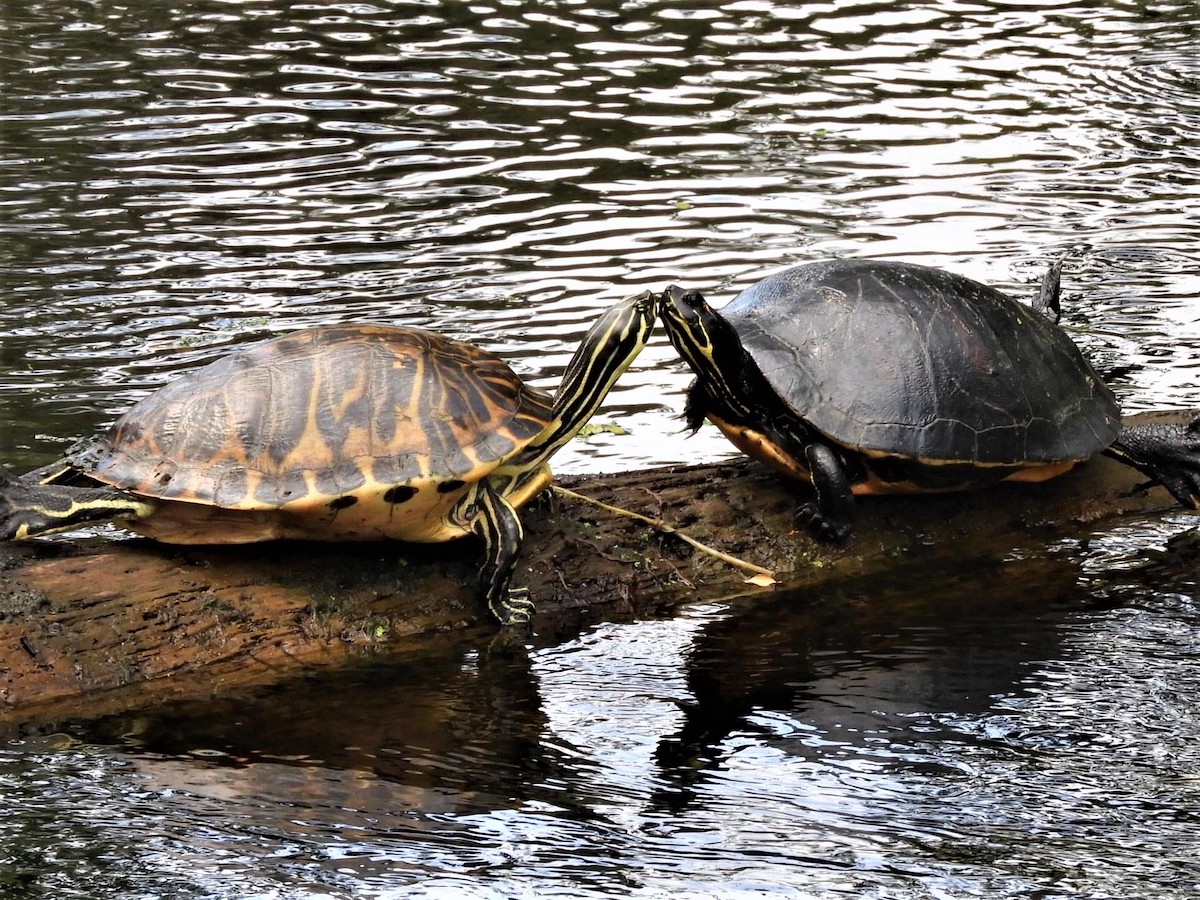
(178, 178)
(1027, 731)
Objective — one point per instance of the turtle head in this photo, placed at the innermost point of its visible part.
(694, 327)
(710, 346)
(619, 335)
(610, 345)
(606, 351)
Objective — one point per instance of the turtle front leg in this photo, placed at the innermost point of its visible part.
(1168, 452)
(28, 509)
(831, 513)
(498, 524)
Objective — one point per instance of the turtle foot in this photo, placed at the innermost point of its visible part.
(824, 527)
(514, 608)
(28, 509)
(1169, 453)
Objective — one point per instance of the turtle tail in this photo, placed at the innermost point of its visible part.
(28, 508)
(1167, 452)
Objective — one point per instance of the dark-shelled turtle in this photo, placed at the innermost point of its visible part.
(866, 376)
(337, 433)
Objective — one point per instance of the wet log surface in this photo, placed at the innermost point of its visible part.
(101, 625)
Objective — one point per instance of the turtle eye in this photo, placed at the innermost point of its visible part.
(681, 297)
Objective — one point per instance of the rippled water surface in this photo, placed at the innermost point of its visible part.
(179, 178)
(1028, 731)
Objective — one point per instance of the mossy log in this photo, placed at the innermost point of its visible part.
(99, 625)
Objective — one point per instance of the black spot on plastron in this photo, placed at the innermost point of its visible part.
(399, 494)
(449, 487)
(342, 502)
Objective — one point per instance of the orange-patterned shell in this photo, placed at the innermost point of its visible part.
(334, 412)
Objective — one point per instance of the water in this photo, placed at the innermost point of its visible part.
(874, 741)
(176, 179)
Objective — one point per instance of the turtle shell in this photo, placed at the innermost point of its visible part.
(894, 359)
(321, 420)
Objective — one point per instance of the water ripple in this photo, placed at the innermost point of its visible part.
(198, 175)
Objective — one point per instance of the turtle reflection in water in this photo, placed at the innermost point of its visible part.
(339, 433)
(865, 376)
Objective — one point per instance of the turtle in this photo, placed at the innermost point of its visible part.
(341, 432)
(865, 376)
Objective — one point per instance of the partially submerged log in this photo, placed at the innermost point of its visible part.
(95, 626)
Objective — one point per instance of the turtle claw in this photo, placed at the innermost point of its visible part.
(514, 608)
(822, 526)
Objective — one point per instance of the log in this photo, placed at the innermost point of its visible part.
(101, 625)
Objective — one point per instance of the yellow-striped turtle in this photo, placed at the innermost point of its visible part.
(866, 376)
(339, 433)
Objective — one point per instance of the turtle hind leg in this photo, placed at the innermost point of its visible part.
(497, 523)
(28, 509)
(1167, 452)
(1047, 301)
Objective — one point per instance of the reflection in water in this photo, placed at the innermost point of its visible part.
(861, 668)
(178, 178)
(972, 735)
(434, 734)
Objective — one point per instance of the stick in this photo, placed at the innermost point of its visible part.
(661, 526)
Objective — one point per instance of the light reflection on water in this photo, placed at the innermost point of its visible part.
(197, 175)
(182, 177)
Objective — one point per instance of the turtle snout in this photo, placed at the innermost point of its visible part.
(680, 301)
(644, 302)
